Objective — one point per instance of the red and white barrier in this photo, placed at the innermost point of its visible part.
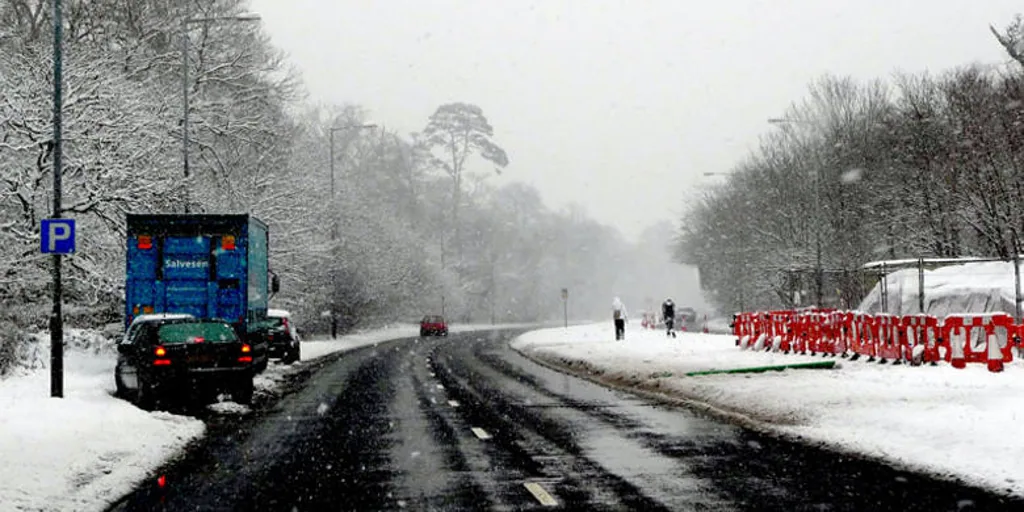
(990, 339)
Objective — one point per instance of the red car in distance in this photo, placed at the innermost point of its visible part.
(433, 325)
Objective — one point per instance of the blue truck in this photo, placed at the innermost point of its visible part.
(209, 266)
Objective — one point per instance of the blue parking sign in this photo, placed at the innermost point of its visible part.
(57, 236)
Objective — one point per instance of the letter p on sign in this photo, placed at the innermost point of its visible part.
(58, 236)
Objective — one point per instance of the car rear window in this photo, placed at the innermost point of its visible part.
(210, 332)
(434, 319)
(274, 322)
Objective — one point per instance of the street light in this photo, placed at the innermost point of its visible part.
(338, 129)
(185, 22)
(334, 229)
(818, 278)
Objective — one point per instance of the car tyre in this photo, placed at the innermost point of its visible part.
(119, 388)
(146, 397)
(293, 355)
(242, 394)
(262, 365)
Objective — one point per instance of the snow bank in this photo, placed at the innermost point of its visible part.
(956, 423)
(82, 451)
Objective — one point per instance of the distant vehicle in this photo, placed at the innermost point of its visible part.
(282, 336)
(686, 319)
(168, 357)
(212, 267)
(433, 325)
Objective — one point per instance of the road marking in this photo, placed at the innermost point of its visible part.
(481, 433)
(453, 403)
(540, 494)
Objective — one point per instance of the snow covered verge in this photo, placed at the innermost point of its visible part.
(957, 424)
(90, 448)
(82, 451)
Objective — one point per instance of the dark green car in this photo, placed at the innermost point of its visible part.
(170, 359)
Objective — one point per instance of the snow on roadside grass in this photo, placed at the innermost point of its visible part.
(82, 451)
(958, 423)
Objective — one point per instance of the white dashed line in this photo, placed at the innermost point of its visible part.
(481, 433)
(453, 403)
(540, 494)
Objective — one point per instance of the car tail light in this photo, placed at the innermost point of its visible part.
(245, 359)
(246, 348)
(198, 339)
(284, 322)
(227, 242)
(161, 362)
(145, 242)
(160, 351)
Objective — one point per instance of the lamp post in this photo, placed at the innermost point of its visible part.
(343, 128)
(334, 228)
(818, 277)
(185, 22)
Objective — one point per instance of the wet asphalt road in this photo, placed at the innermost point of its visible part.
(464, 423)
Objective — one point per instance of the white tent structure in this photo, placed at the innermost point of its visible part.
(966, 287)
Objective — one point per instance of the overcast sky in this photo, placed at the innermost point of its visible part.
(619, 106)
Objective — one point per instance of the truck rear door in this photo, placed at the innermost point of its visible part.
(201, 275)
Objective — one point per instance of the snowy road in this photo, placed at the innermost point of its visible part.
(465, 423)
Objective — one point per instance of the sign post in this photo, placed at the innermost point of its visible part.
(565, 306)
(55, 233)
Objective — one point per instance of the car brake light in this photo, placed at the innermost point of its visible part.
(161, 362)
(245, 359)
(198, 339)
(284, 322)
(160, 351)
(145, 242)
(246, 348)
(227, 242)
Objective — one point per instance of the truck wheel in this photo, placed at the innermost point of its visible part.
(242, 394)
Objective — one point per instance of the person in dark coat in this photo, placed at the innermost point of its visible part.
(619, 316)
(668, 314)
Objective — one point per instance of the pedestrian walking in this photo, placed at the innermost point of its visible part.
(619, 315)
(668, 314)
